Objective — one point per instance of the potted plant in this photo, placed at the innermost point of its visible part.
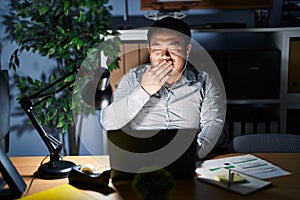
(65, 31)
(153, 185)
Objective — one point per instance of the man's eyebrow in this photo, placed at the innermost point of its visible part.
(155, 44)
(175, 43)
(159, 43)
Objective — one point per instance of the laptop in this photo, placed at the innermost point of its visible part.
(132, 151)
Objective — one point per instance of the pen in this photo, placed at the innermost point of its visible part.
(230, 177)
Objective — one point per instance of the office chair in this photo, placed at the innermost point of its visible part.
(265, 143)
(4, 110)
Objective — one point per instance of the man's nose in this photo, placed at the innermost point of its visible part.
(165, 54)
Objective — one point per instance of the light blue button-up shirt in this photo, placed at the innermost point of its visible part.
(195, 101)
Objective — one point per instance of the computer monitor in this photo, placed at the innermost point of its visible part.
(4, 110)
(11, 177)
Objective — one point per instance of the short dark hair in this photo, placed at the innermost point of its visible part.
(172, 24)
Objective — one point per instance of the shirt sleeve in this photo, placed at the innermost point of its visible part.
(129, 98)
(213, 112)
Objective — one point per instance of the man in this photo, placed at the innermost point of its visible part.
(169, 93)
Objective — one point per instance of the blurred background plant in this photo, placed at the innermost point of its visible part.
(69, 32)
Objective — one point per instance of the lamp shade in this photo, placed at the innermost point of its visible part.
(98, 92)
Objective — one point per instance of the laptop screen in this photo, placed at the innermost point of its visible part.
(133, 151)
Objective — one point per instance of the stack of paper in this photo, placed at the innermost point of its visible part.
(248, 170)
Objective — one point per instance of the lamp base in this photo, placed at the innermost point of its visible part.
(54, 170)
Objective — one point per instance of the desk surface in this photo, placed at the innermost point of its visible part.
(285, 187)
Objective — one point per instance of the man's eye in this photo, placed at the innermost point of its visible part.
(174, 50)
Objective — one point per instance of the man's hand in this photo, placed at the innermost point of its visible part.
(154, 77)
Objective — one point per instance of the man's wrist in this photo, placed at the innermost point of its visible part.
(145, 90)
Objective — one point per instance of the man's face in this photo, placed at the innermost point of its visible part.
(169, 46)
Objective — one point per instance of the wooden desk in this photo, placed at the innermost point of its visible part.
(285, 187)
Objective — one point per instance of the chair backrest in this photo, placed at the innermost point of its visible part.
(4, 110)
(266, 143)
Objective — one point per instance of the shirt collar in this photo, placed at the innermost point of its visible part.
(189, 76)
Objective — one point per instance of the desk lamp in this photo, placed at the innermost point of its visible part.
(56, 167)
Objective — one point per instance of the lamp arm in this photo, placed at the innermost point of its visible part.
(39, 93)
(54, 146)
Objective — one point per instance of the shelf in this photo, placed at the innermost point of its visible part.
(291, 7)
(290, 14)
(207, 4)
(250, 30)
(141, 34)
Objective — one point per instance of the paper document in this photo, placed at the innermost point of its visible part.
(65, 191)
(240, 174)
(246, 164)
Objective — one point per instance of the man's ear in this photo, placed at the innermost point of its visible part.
(148, 46)
(189, 49)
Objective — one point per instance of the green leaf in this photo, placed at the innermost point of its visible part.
(65, 128)
(66, 12)
(88, 5)
(22, 80)
(51, 51)
(20, 12)
(43, 10)
(61, 117)
(81, 17)
(72, 106)
(69, 79)
(49, 45)
(40, 24)
(60, 124)
(66, 5)
(58, 11)
(65, 107)
(74, 40)
(52, 79)
(60, 29)
(69, 117)
(11, 65)
(20, 97)
(49, 102)
(51, 114)
(79, 44)
(30, 80)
